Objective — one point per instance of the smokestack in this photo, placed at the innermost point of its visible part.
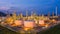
(53, 14)
(8, 14)
(48, 14)
(56, 11)
(26, 13)
(31, 13)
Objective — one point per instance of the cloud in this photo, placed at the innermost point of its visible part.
(4, 8)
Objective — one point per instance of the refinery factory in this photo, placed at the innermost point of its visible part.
(29, 22)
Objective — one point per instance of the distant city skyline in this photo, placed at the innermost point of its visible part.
(40, 6)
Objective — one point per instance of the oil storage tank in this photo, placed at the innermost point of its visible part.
(29, 24)
(41, 23)
(17, 23)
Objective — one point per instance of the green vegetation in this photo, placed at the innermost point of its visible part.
(4, 30)
(54, 30)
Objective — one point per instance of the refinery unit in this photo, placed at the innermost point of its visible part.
(27, 22)
(31, 22)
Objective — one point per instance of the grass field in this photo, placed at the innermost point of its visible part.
(54, 30)
(4, 30)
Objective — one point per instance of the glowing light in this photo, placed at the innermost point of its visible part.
(17, 23)
(29, 24)
(26, 29)
(46, 25)
(41, 21)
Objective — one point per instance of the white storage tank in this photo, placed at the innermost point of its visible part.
(41, 23)
(18, 23)
(29, 24)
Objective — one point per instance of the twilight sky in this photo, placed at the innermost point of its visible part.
(37, 5)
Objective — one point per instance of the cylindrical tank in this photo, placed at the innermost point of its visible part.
(41, 23)
(29, 24)
(18, 23)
